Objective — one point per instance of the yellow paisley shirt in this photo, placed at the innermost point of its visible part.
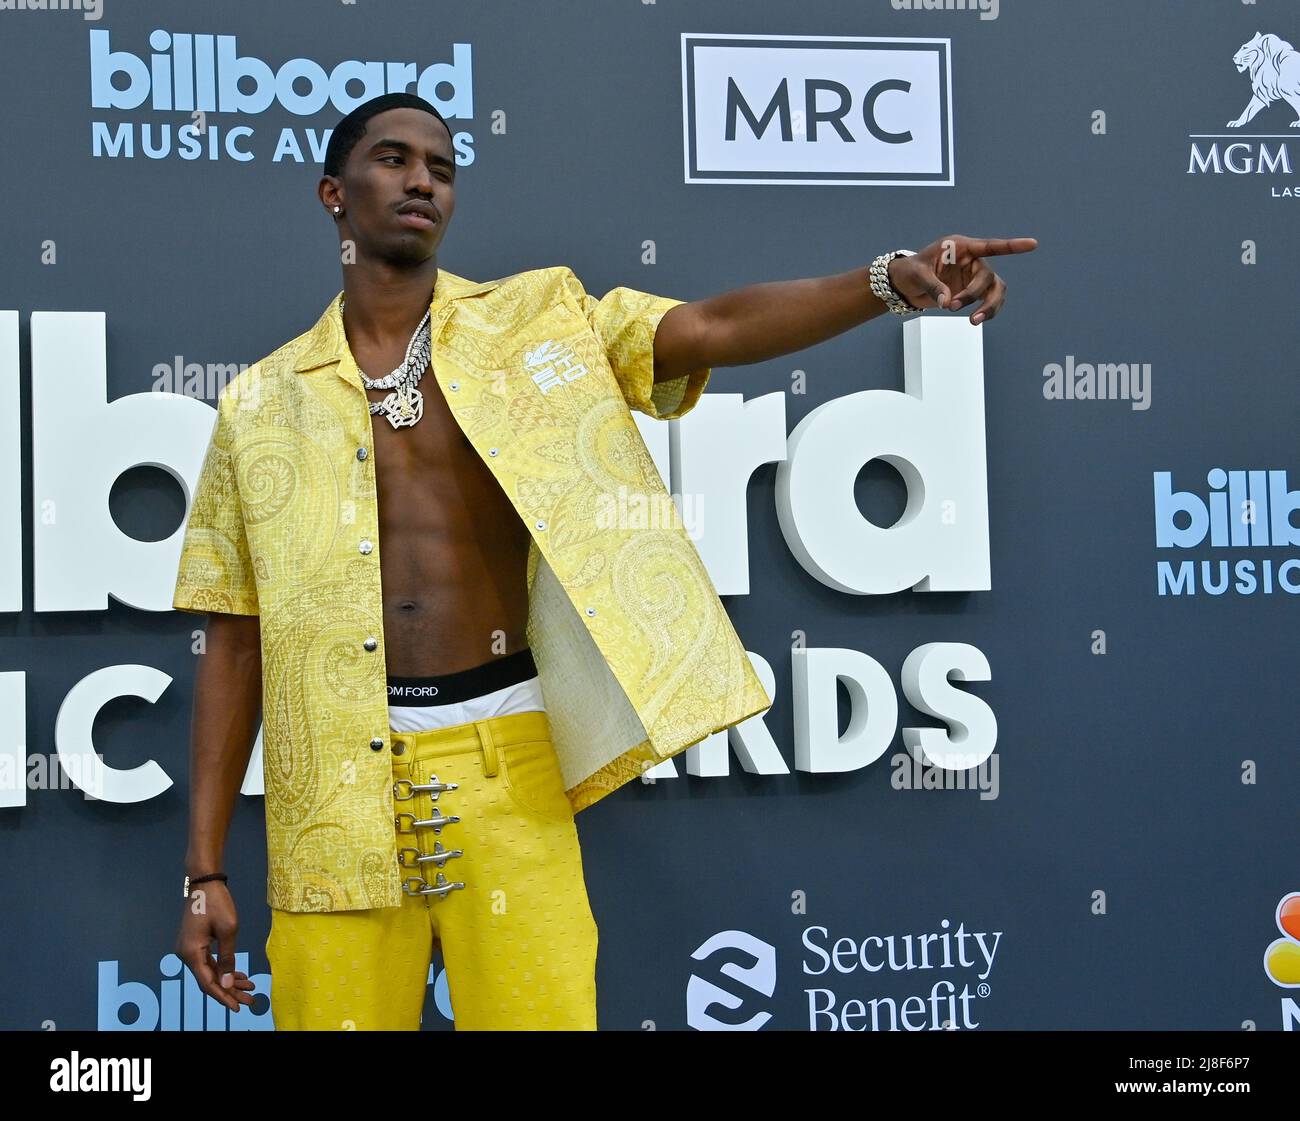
(636, 655)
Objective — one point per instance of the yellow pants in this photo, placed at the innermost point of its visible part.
(497, 855)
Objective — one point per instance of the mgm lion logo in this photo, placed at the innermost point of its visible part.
(1274, 67)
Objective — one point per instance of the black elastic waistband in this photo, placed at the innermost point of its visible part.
(463, 685)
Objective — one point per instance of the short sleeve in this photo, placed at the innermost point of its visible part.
(625, 322)
(216, 572)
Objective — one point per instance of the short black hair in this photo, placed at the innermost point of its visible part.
(353, 127)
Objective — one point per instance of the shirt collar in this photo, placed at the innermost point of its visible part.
(327, 342)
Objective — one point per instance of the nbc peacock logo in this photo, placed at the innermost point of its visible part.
(1282, 958)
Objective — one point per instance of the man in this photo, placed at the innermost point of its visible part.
(431, 725)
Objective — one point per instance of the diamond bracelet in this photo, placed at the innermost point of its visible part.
(883, 290)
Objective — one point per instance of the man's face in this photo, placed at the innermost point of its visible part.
(399, 187)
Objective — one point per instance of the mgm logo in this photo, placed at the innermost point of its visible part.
(1273, 66)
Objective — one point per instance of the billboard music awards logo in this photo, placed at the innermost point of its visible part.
(176, 1003)
(862, 984)
(1273, 67)
(169, 92)
(1244, 510)
(1282, 958)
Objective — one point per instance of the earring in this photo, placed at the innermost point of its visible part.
(337, 209)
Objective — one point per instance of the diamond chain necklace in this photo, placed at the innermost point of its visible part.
(405, 405)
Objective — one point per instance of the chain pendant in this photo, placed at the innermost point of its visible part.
(404, 407)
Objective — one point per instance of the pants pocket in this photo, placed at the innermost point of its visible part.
(531, 776)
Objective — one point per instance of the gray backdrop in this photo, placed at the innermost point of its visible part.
(1119, 773)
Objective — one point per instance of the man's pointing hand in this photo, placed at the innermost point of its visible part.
(950, 274)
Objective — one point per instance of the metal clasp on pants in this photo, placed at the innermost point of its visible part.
(439, 856)
(441, 888)
(435, 823)
(435, 788)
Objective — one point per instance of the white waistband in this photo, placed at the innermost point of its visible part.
(524, 696)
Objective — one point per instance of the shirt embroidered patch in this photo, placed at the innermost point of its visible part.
(558, 364)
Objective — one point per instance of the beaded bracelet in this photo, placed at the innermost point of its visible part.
(204, 879)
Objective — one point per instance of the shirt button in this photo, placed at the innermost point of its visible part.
(362, 453)
(591, 611)
(540, 524)
(365, 546)
(453, 385)
(492, 451)
(371, 644)
(376, 744)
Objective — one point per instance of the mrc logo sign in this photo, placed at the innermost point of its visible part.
(817, 109)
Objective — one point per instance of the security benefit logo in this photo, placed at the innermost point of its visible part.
(932, 981)
(1236, 536)
(195, 97)
(1282, 958)
(1258, 144)
(812, 109)
(741, 1000)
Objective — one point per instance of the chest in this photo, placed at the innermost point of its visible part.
(430, 470)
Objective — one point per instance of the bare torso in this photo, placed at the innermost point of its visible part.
(454, 552)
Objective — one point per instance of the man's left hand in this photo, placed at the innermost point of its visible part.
(928, 279)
